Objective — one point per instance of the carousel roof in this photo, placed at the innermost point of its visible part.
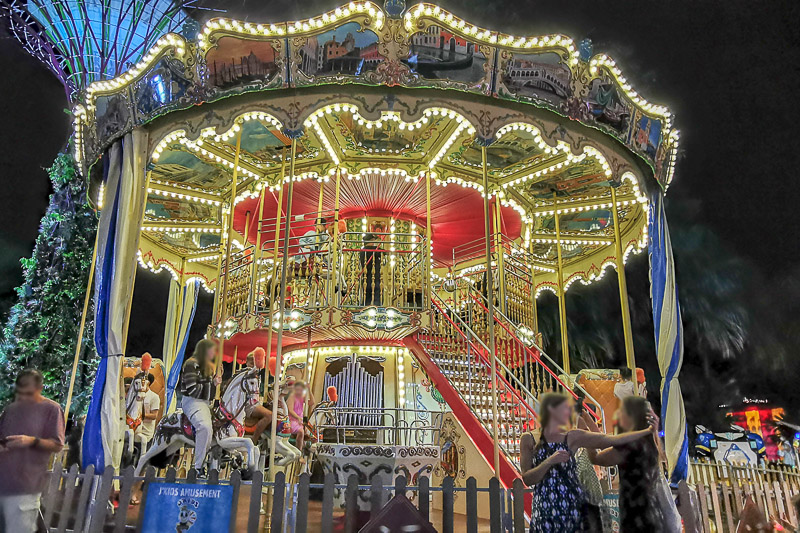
(387, 98)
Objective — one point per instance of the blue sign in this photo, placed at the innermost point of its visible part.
(190, 508)
(611, 500)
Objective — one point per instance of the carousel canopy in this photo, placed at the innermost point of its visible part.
(386, 98)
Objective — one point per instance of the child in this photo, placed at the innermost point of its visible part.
(296, 403)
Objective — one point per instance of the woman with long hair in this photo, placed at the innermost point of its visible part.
(640, 476)
(199, 387)
(550, 465)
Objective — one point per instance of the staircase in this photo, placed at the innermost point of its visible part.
(458, 362)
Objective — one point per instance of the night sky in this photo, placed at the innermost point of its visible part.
(728, 70)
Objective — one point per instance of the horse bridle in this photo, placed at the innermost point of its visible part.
(244, 386)
(141, 376)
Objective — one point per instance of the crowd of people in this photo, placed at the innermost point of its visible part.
(560, 465)
(559, 459)
(199, 383)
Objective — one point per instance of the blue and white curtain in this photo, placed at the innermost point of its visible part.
(117, 243)
(669, 339)
(180, 314)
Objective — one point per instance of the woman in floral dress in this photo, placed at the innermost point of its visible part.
(558, 500)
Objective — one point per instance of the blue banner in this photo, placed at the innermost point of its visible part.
(192, 508)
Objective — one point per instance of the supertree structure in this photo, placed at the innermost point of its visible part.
(86, 41)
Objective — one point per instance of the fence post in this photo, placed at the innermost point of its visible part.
(425, 497)
(172, 474)
(301, 512)
(99, 508)
(254, 515)
(66, 503)
(327, 503)
(213, 477)
(52, 488)
(495, 505)
(351, 505)
(236, 483)
(447, 505)
(83, 500)
(703, 497)
(126, 486)
(400, 485)
(472, 505)
(376, 496)
(726, 500)
(519, 506)
(278, 500)
(149, 477)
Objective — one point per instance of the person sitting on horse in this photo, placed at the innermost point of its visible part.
(151, 405)
(257, 417)
(297, 403)
(199, 387)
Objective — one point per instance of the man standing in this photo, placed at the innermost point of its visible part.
(31, 429)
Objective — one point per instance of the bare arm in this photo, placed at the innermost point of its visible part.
(151, 415)
(579, 438)
(526, 446)
(537, 473)
(26, 441)
(298, 417)
(607, 457)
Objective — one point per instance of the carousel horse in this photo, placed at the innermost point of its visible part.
(134, 408)
(175, 431)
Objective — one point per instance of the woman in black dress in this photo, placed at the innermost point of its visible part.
(549, 465)
(639, 470)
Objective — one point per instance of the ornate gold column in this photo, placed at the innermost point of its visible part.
(223, 312)
(336, 267)
(535, 311)
(256, 255)
(282, 307)
(498, 239)
(562, 300)
(490, 302)
(274, 270)
(427, 284)
(623, 289)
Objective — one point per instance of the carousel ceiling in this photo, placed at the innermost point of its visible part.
(384, 162)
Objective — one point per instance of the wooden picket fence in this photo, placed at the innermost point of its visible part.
(79, 502)
(722, 489)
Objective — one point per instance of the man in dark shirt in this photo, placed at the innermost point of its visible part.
(31, 429)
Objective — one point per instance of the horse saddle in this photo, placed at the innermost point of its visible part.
(187, 427)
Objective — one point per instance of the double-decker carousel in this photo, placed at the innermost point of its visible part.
(376, 196)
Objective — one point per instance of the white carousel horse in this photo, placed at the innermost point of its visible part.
(134, 408)
(175, 430)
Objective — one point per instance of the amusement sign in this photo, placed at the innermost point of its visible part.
(193, 508)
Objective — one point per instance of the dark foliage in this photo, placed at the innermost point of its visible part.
(42, 327)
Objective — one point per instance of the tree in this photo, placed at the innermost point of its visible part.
(42, 327)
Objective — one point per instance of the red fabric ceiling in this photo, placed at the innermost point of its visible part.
(457, 212)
